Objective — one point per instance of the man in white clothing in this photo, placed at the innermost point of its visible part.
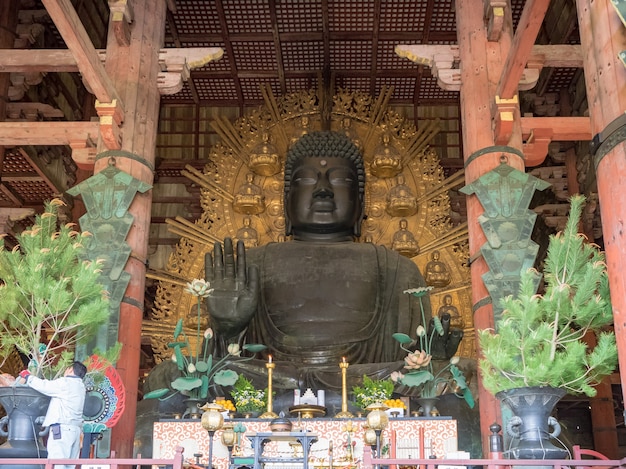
(65, 412)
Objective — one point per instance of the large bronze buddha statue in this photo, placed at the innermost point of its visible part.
(320, 296)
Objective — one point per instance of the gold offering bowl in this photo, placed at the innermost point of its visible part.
(308, 411)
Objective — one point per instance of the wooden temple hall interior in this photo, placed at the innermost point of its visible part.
(191, 105)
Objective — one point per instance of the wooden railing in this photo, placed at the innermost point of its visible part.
(112, 463)
(577, 462)
(368, 462)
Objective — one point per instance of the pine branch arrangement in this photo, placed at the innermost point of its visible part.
(540, 340)
(51, 300)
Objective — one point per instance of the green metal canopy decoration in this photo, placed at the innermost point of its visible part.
(505, 194)
(107, 196)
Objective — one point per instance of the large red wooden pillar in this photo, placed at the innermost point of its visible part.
(133, 70)
(481, 63)
(602, 37)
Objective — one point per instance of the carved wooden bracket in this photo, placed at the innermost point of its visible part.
(32, 111)
(536, 147)
(27, 35)
(111, 118)
(494, 16)
(121, 19)
(444, 62)
(9, 215)
(504, 113)
(177, 64)
(556, 176)
(84, 153)
(554, 215)
(538, 132)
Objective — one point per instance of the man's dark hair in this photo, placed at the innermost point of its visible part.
(79, 369)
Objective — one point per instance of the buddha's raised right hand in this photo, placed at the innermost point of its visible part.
(234, 298)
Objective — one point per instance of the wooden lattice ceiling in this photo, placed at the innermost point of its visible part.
(287, 44)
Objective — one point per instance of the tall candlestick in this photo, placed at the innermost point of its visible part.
(344, 414)
(269, 413)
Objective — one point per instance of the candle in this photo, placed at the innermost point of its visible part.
(269, 414)
(321, 398)
(344, 391)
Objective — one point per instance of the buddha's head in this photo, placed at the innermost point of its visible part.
(324, 187)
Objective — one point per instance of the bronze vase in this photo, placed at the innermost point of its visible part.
(25, 409)
(428, 406)
(192, 408)
(532, 428)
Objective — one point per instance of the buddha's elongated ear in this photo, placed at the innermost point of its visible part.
(287, 225)
(357, 226)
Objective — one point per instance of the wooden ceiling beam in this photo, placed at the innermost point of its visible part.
(308, 36)
(171, 5)
(326, 37)
(21, 177)
(177, 63)
(430, 6)
(171, 22)
(37, 60)
(17, 201)
(443, 61)
(229, 49)
(278, 48)
(563, 128)
(41, 173)
(559, 55)
(525, 36)
(75, 36)
(539, 132)
(374, 53)
(47, 133)
(203, 74)
(63, 60)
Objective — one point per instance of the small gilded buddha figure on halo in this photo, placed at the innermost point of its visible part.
(400, 201)
(404, 241)
(249, 198)
(448, 308)
(437, 273)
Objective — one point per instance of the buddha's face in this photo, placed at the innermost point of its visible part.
(323, 197)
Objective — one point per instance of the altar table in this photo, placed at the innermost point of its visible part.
(403, 433)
